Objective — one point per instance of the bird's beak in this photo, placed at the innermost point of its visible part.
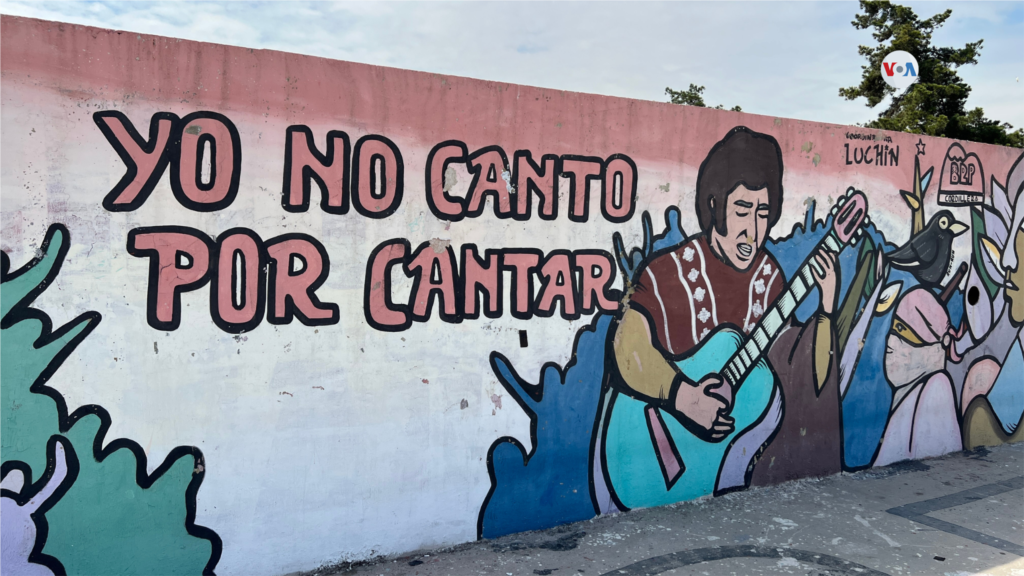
(957, 228)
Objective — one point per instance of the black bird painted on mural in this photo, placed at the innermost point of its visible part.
(928, 253)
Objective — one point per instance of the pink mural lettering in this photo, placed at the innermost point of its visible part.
(145, 161)
(380, 312)
(305, 164)
(179, 262)
(598, 275)
(206, 166)
(619, 190)
(580, 170)
(239, 280)
(436, 274)
(300, 265)
(490, 177)
(542, 180)
(477, 277)
(522, 286)
(377, 177)
(558, 284)
(442, 205)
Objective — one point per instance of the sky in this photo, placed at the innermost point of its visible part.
(785, 59)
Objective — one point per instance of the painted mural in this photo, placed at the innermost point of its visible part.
(263, 312)
(740, 365)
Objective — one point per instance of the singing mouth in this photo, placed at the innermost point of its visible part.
(745, 250)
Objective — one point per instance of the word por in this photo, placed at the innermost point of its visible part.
(247, 276)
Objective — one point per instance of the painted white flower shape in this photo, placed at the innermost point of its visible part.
(704, 315)
(698, 294)
(688, 254)
(748, 327)
(692, 276)
(703, 333)
(757, 309)
(759, 286)
(767, 269)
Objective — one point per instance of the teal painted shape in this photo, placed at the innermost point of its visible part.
(29, 353)
(107, 523)
(108, 516)
(28, 418)
(633, 467)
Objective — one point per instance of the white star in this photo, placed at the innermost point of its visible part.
(704, 315)
(692, 276)
(698, 294)
(767, 269)
(759, 286)
(688, 254)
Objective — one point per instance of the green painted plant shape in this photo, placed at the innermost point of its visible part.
(108, 516)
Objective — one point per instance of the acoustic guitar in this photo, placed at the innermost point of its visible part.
(650, 458)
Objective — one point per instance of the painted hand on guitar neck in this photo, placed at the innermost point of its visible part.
(826, 276)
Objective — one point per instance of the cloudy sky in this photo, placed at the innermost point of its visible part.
(773, 58)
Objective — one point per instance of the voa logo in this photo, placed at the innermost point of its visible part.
(899, 69)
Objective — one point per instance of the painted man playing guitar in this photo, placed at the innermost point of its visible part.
(686, 298)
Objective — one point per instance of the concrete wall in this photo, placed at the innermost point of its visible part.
(240, 332)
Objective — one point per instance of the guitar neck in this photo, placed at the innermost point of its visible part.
(762, 336)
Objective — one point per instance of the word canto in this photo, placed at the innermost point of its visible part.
(251, 278)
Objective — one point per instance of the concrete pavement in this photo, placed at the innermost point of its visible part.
(957, 515)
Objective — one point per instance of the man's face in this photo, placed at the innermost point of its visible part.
(746, 225)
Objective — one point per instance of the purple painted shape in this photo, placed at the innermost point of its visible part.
(737, 461)
(602, 494)
(670, 463)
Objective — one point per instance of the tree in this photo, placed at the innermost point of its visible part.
(692, 97)
(936, 104)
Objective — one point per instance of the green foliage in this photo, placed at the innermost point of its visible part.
(27, 353)
(977, 232)
(693, 96)
(936, 104)
(109, 517)
(107, 524)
